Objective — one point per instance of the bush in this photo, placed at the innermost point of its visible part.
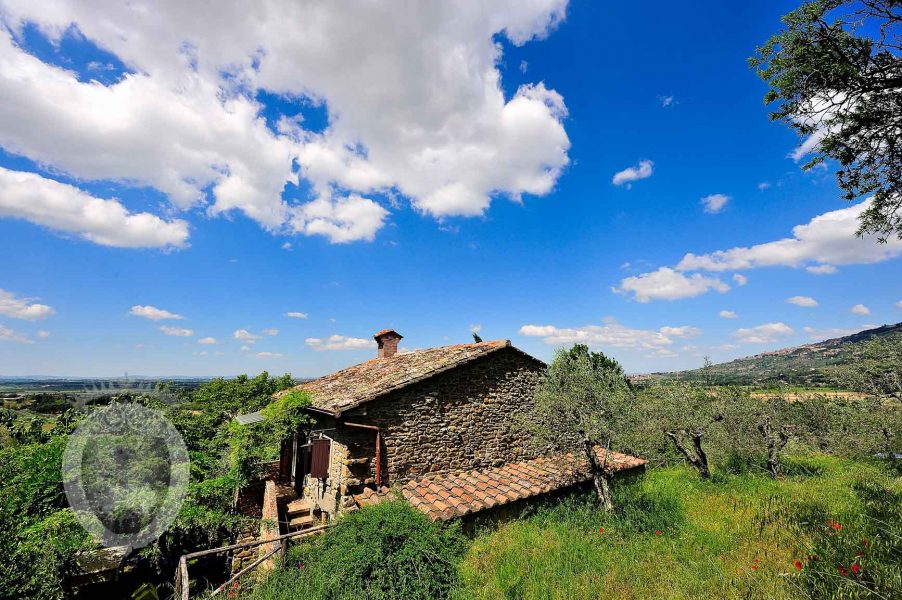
(385, 551)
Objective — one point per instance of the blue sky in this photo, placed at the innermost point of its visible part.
(431, 171)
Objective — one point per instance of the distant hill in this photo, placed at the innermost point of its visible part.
(807, 365)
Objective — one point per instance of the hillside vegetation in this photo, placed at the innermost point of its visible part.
(810, 365)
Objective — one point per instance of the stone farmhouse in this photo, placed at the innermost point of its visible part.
(439, 425)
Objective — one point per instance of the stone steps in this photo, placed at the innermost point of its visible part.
(298, 508)
(301, 522)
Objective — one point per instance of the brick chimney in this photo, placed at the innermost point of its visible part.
(388, 342)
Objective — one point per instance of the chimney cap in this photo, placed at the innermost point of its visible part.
(387, 333)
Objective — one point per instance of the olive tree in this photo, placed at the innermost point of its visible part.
(684, 414)
(580, 401)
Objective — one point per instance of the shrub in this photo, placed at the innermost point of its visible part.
(385, 551)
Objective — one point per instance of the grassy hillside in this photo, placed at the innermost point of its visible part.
(807, 365)
(675, 536)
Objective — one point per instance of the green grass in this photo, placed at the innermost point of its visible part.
(733, 537)
(671, 536)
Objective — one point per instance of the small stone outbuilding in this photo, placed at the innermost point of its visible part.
(439, 425)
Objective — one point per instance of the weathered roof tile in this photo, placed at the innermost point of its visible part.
(362, 383)
(447, 495)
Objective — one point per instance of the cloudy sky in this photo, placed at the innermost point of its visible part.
(216, 189)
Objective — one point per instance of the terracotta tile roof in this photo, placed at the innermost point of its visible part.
(361, 383)
(444, 496)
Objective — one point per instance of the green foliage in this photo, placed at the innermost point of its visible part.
(728, 537)
(835, 70)
(582, 396)
(50, 550)
(39, 535)
(873, 367)
(815, 367)
(850, 553)
(251, 447)
(581, 400)
(386, 551)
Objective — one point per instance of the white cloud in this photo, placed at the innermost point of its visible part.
(860, 309)
(65, 208)
(43, 334)
(8, 335)
(764, 185)
(343, 220)
(727, 314)
(714, 203)
(270, 355)
(667, 101)
(207, 341)
(643, 170)
(668, 284)
(296, 315)
(339, 342)
(899, 304)
(201, 353)
(805, 301)
(828, 239)
(176, 331)
(727, 346)
(413, 93)
(245, 336)
(684, 331)
(287, 246)
(763, 334)
(611, 334)
(825, 241)
(153, 313)
(22, 308)
(271, 331)
(821, 269)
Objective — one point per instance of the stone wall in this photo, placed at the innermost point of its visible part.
(462, 419)
(326, 494)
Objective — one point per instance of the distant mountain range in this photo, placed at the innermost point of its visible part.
(806, 365)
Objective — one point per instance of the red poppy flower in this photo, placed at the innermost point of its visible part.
(231, 594)
(300, 565)
(798, 565)
(865, 542)
(754, 567)
(601, 530)
(842, 570)
(836, 526)
(855, 568)
(658, 532)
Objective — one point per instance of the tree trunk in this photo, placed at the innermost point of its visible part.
(703, 469)
(600, 477)
(699, 460)
(775, 445)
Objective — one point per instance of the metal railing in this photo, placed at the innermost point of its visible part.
(182, 580)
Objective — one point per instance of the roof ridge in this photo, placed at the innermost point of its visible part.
(356, 384)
